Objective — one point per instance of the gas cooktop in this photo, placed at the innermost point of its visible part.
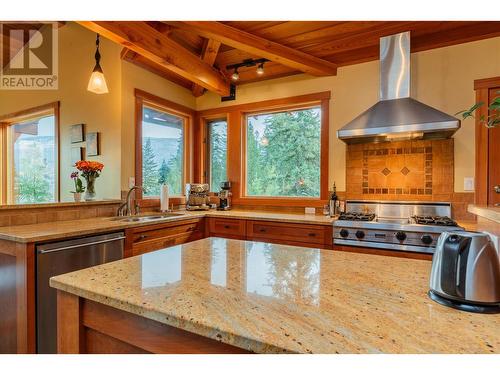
(407, 226)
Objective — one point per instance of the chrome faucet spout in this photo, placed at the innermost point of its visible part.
(125, 208)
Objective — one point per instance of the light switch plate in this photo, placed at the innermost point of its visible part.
(131, 182)
(310, 211)
(468, 183)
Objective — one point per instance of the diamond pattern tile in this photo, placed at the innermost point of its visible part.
(405, 171)
(386, 172)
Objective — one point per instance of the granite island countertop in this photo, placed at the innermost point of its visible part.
(73, 228)
(271, 298)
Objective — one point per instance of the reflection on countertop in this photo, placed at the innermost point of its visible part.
(272, 298)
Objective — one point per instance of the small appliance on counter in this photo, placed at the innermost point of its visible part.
(197, 198)
(465, 272)
(225, 196)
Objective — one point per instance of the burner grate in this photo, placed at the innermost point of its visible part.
(356, 216)
(435, 220)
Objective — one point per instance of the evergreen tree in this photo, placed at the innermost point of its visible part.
(163, 173)
(149, 170)
(218, 154)
(32, 182)
(174, 177)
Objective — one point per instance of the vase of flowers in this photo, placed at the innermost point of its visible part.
(90, 171)
(79, 188)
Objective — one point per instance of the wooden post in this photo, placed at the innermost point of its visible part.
(69, 324)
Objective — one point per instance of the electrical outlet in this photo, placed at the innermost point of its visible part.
(131, 182)
(468, 183)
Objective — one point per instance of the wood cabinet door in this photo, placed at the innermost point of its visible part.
(227, 228)
(493, 156)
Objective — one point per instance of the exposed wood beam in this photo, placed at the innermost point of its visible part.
(155, 46)
(208, 55)
(261, 47)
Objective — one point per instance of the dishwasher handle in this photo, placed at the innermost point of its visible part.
(81, 245)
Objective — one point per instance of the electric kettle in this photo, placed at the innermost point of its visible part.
(465, 272)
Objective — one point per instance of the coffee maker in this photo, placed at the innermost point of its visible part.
(225, 196)
(197, 198)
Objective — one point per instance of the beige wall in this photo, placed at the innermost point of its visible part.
(442, 78)
(110, 114)
(136, 77)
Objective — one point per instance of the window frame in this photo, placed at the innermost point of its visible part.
(244, 135)
(236, 144)
(207, 171)
(144, 98)
(10, 119)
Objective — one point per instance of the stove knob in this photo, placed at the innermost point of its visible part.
(426, 239)
(401, 236)
(360, 234)
(344, 233)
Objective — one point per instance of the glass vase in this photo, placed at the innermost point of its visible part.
(90, 190)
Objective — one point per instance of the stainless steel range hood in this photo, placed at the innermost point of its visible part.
(397, 116)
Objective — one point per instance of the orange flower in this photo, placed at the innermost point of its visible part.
(89, 166)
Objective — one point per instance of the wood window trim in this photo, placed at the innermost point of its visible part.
(235, 116)
(7, 119)
(482, 88)
(188, 114)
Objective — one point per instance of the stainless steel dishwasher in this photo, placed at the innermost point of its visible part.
(62, 257)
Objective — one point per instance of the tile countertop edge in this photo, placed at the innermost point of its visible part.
(487, 212)
(183, 324)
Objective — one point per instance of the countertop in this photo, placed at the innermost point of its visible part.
(72, 228)
(271, 298)
(488, 212)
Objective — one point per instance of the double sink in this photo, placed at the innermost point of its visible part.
(146, 218)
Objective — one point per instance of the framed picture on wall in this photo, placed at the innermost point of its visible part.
(93, 144)
(76, 155)
(77, 133)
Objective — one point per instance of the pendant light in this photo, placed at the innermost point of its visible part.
(97, 82)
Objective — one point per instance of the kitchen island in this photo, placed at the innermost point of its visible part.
(228, 296)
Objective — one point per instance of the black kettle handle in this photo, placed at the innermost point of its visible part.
(454, 265)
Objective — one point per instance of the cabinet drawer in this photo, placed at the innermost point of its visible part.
(176, 229)
(162, 243)
(304, 233)
(227, 227)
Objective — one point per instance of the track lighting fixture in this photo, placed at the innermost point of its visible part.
(97, 83)
(247, 63)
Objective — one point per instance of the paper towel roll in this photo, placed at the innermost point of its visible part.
(164, 198)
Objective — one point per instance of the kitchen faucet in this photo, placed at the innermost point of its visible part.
(125, 209)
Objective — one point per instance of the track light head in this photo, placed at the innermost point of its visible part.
(260, 69)
(235, 76)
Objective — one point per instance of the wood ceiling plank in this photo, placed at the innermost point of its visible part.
(208, 55)
(292, 28)
(262, 47)
(155, 46)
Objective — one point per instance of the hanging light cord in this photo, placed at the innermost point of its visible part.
(97, 55)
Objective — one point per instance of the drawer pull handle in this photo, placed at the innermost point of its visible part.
(312, 234)
(262, 230)
(143, 236)
(227, 226)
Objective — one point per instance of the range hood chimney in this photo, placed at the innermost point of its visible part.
(397, 116)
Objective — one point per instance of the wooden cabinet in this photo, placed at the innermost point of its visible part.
(307, 235)
(154, 237)
(227, 228)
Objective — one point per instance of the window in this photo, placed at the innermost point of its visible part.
(30, 155)
(283, 153)
(217, 153)
(162, 146)
(162, 151)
